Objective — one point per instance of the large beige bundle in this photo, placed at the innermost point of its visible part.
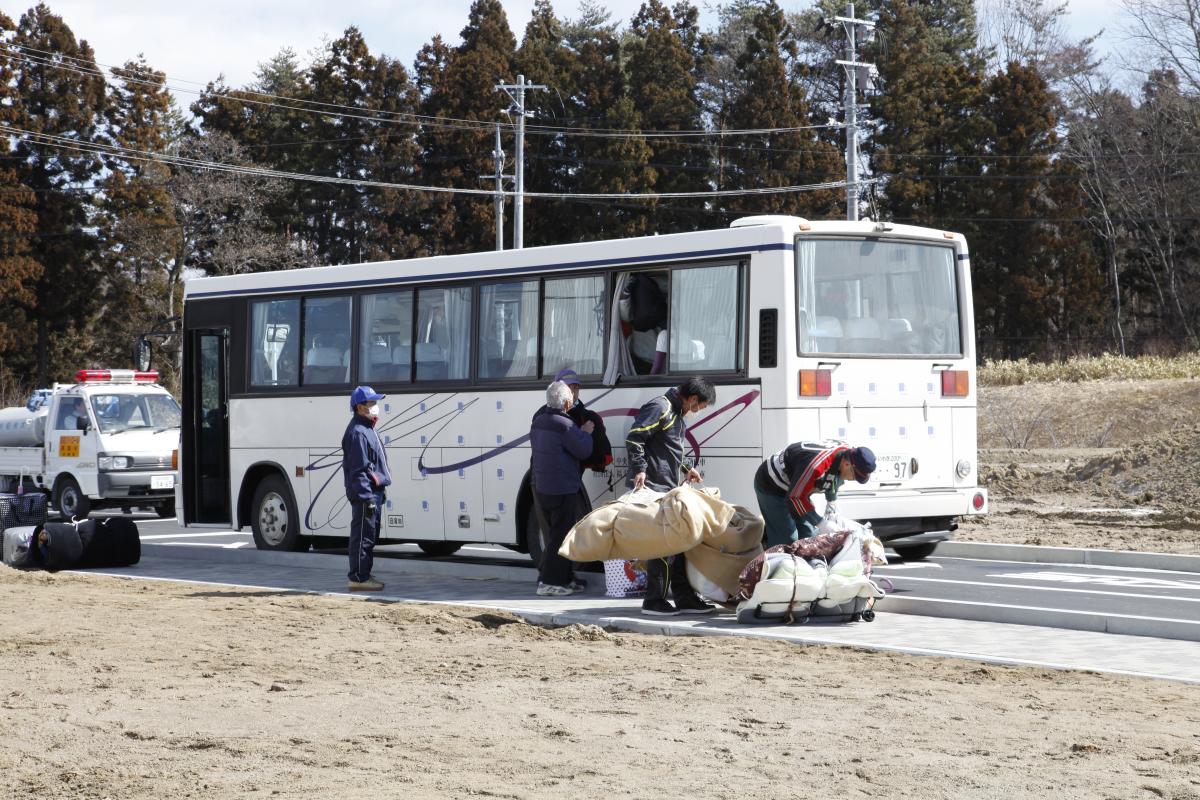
(722, 558)
(648, 524)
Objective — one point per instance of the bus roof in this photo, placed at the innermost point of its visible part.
(744, 236)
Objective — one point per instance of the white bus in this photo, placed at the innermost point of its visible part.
(855, 331)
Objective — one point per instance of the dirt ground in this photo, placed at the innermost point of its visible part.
(136, 689)
(1106, 464)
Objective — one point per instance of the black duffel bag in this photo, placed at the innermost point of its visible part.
(109, 542)
(62, 548)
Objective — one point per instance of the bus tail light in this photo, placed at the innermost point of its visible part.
(816, 382)
(956, 383)
(977, 501)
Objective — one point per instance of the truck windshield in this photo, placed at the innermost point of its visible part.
(877, 297)
(123, 412)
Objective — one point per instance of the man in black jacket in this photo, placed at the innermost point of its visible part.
(655, 446)
(601, 455)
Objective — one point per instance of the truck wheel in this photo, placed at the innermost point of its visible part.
(70, 501)
(916, 552)
(165, 510)
(273, 517)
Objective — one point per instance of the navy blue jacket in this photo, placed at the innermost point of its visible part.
(364, 462)
(558, 446)
(655, 442)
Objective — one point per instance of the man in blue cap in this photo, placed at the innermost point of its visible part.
(365, 469)
(785, 482)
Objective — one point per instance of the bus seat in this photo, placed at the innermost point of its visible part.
(827, 335)
(896, 328)
(323, 365)
(431, 362)
(863, 335)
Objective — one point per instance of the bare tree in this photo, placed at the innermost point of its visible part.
(1165, 34)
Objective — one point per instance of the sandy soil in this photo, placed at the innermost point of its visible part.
(1103, 464)
(135, 689)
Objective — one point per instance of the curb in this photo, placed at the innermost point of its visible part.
(1041, 617)
(1130, 559)
(337, 562)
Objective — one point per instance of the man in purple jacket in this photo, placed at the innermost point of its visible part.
(558, 446)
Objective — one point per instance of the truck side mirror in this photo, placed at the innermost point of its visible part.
(82, 424)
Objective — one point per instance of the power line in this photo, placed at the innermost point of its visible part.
(352, 112)
(95, 148)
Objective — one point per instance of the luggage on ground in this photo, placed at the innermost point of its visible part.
(19, 549)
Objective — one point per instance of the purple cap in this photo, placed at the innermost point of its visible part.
(569, 377)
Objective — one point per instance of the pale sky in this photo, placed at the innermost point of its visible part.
(193, 42)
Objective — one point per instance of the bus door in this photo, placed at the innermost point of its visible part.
(206, 467)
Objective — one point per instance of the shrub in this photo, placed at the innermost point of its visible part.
(1090, 368)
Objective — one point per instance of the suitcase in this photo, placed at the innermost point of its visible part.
(19, 550)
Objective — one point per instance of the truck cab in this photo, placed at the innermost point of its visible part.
(109, 442)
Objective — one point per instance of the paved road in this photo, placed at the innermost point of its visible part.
(1081, 597)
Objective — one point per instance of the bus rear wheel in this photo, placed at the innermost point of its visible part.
(274, 518)
(439, 548)
(916, 552)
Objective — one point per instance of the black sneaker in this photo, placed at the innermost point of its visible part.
(658, 607)
(692, 604)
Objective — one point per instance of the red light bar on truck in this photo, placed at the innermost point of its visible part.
(115, 376)
(816, 382)
(956, 383)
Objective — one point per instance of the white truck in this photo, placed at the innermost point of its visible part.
(107, 440)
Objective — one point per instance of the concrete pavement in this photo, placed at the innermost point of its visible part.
(510, 589)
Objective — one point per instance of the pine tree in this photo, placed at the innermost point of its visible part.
(61, 94)
(393, 226)
(929, 112)
(1036, 278)
(666, 55)
(138, 231)
(769, 94)
(18, 222)
(458, 84)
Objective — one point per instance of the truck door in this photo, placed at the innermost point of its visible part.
(205, 467)
(71, 444)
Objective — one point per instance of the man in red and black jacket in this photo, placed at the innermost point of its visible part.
(786, 481)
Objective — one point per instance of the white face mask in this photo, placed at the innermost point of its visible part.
(373, 411)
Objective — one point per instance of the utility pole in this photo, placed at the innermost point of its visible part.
(516, 93)
(856, 72)
(498, 155)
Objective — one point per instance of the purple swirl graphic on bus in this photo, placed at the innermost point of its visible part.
(332, 460)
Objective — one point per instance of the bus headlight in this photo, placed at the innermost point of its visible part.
(963, 468)
(108, 463)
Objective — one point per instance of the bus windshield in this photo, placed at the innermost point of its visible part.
(877, 297)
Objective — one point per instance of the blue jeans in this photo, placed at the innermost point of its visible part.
(781, 523)
(364, 531)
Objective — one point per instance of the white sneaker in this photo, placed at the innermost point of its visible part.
(371, 584)
(550, 590)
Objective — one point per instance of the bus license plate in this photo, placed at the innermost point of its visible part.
(162, 481)
(889, 469)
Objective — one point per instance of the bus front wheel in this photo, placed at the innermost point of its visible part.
(439, 548)
(273, 517)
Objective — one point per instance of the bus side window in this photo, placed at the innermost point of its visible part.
(573, 325)
(443, 346)
(385, 337)
(326, 340)
(274, 342)
(704, 319)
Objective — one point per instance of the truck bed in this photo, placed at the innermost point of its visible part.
(15, 460)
